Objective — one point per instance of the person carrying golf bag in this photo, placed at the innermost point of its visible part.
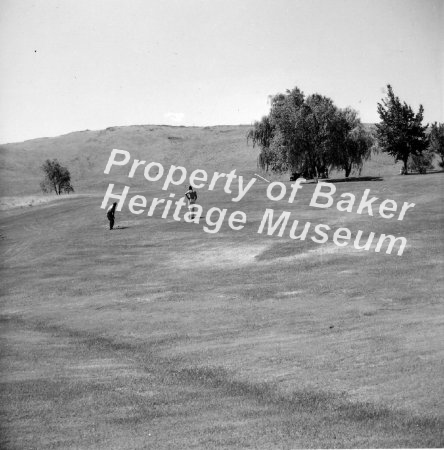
(191, 195)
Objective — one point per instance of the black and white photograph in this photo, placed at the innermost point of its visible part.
(221, 224)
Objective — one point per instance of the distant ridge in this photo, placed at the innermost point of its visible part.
(212, 148)
(85, 153)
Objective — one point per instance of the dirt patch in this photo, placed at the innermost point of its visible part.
(219, 256)
(235, 256)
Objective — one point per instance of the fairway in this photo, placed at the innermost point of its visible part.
(160, 335)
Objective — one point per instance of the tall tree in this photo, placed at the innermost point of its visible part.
(56, 178)
(437, 140)
(400, 132)
(308, 135)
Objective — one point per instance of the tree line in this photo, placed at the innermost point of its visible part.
(308, 136)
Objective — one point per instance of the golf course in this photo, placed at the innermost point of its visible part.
(158, 334)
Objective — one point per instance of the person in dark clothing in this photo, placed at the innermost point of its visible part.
(110, 214)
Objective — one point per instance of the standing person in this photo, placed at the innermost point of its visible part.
(191, 195)
(110, 214)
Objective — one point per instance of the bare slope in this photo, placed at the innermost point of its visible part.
(85, 153)
(221, 148)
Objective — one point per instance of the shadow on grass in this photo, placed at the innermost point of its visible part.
(120, 228)
(352, 179)
(345, 180)
(429, 172)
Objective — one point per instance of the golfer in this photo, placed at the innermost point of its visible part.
(191, 195)
(110, 214)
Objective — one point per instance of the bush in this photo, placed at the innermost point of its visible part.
(421, 163)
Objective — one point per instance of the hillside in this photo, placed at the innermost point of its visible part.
(204, 335)
(85, 153)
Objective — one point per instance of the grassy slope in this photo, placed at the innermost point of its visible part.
(161, 335)
(85, 153)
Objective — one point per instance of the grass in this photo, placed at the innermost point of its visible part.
(85, 153)
(159, 335)
(7, 203)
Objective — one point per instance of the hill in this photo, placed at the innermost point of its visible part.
(85, 153)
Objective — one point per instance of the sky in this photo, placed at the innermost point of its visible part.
(70, 65)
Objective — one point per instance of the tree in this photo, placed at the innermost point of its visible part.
(318, 130)
(261, 135)
(437, 141)
(57, 178)
(308, 136)
(400, 132)
(354, 143)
